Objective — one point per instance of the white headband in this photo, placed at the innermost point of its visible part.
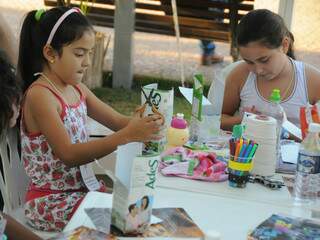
(58, 23)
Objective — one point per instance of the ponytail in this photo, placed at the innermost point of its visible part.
(30, 58)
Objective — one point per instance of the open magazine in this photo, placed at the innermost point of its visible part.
(82, 233)
(171, 223)
(175, 223)
(278, 227)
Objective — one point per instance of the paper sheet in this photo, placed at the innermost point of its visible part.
(187, 93)
(289, 152)
(291, 128)
(125, 156)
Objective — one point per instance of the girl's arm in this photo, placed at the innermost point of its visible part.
(231, 99)
(17, 231)
(44, 110)
(313, 83)
(103, 113)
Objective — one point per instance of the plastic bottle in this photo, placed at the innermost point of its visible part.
(276, 111)
(307, 176)
(178, 133)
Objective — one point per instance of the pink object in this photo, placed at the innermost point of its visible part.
(206, 168)
(179, 122)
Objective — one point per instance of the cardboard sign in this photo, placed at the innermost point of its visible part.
(134, 188)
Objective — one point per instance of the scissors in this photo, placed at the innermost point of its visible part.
(151, 103)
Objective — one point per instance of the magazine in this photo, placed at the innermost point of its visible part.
(280, 227)
(83, 233)
(175, 223)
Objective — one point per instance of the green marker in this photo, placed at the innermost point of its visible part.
(191, 166)
(252, 151)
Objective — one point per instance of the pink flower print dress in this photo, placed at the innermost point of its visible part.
(55, 190)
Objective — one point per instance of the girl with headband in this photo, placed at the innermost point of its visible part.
(55, 51)
(266, 46)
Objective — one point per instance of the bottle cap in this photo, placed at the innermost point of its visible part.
(180, 115)
(314, 127)
(179, 122)
(275, 96)
(237, 131)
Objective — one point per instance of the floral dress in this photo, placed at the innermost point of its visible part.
(56, 190)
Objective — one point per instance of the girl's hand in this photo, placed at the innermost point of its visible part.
(251, 109)
(144, 129)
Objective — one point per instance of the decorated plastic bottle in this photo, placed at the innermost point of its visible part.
(276, 111)
(178, 132)
(306, 188)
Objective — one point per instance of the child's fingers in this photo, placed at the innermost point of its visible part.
(155, 137)
(152, 118)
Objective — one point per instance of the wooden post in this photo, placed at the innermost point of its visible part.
(8, 42)
(124, 21)
(233, 27)
(285, 11)
(93, 76)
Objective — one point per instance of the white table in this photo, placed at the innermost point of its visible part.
(252, 192)
(213, 206)
(232, 217)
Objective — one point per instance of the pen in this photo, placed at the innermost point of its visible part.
(239, 142)
(253, 151)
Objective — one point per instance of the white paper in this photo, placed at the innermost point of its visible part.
(188, 93)
(289, 152)
(155, 220)
(89, 178)
(125, 156)
(291, 128)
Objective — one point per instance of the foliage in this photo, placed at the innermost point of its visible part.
(84, 4)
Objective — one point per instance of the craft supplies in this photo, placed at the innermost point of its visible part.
(157, 102)
(308, 115)
(240, 164)
(178, 132)
(185, 163)
(133, 191)
(262, 130)
(196, 114)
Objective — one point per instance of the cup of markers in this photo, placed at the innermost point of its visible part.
(240, 164)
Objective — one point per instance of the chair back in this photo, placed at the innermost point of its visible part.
(216, 91)
(13, 179)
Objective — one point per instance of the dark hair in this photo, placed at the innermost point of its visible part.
(131, 207)
(266, 27)
(147, 205)
(35, 33)
(10, 92)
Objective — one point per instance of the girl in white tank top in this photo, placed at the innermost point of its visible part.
(250, 94)
(266, 46)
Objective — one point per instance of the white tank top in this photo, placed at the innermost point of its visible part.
(250, 95)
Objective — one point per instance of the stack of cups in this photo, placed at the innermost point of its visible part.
(263, 130)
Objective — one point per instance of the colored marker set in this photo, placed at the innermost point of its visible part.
(242, 150)
(240, 164)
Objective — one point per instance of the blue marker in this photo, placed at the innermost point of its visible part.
(248, 150)
(241, 154)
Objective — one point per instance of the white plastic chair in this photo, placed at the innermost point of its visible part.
(14, 181)
(216, 91)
